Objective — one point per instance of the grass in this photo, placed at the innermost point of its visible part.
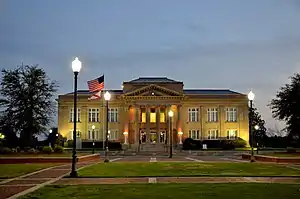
(42, 155)
(174, 191)
(186, 169)
(14, 170)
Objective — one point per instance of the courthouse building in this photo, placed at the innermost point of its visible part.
(138, 114)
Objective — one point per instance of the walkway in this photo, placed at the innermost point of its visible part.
(15, 187)
(79, 181)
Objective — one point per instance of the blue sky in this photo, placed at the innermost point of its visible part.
(236, 44)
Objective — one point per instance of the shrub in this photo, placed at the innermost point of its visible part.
(290, 150)
(239, 143)
(69, 144)
(58, 149)
(47, 149)
(26, 148)
(40, 148)
(31, 150)
(18, 149)
(5, 150)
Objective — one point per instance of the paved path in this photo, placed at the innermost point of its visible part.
(79, 181)
(15, 187)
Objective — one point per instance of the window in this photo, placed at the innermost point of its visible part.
(113, 115)
(194, 134)
(93, 115)
(152, 116)
(70, 136)
(71, 116)
(162, 118)
(212, 134)
(212, 114)
(113, 134)
(143, 117)
(231, 115)
(96, 134)
(193, 114)
(232, 134)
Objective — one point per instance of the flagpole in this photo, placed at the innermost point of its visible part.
(103, 116)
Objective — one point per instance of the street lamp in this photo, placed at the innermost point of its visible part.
(107, 97)
(251, 97)
(76, 66)
(180, 137)
(50, 131)
(93, 134)
(171, 114)
(256, 127)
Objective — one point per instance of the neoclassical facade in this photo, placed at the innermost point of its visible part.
(138, 114)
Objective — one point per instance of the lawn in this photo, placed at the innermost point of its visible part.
(14, 170)
(174, 191)
(42, 154)
(186, 169)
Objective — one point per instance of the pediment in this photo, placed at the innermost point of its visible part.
(153, 90)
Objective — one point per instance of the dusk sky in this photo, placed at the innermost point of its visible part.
(236, 44)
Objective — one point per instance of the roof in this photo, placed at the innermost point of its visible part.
(153, 80)
(86, 92)
(185, 91)
(210, 92)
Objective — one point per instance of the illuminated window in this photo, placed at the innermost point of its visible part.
(152, 117)
(212, 134)
(212, 114)
(231, 115)
(113, 115)
(71, 116)
(143, 117)
(93, 115)
(193, 114)
(232, 134)
(194, 134)
(162, 117)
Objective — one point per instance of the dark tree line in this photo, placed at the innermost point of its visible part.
(26, 104)
(286, 107)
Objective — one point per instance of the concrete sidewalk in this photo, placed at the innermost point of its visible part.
(15, 187)
(79, 181)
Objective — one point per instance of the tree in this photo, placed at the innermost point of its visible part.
(27, 101)
(259, 134)
(286, 106)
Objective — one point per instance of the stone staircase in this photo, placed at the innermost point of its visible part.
(152, 147)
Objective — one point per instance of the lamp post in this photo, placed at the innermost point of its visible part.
(180, 137)
(93, 134)
(107, 98)
(76, 66)
(256, 127)
(50, 131)
(171, 114)
(251, 97)
(125, 137)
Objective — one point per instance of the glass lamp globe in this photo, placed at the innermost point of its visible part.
(107, 96)
(171, 114)
(251, 96)
(76, 65)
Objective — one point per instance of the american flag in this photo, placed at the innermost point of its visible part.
(96, 95)
(96, 84)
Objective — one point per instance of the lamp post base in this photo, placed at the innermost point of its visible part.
(73, 174)
(106, 160)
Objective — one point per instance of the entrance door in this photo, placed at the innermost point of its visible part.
(153, 137)
(163, 137)
(143, 137)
